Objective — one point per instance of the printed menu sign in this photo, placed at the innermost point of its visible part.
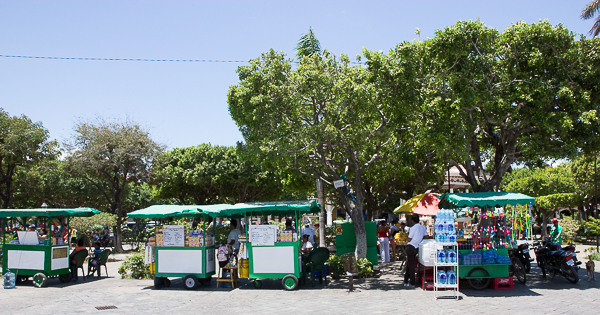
(173, 235)
(263, 235)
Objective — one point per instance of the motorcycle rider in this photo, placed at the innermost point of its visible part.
(556, 232)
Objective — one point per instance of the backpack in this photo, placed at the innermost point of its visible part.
(222, 253)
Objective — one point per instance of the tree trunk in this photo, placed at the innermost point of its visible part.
(358, 221)
(322, 220)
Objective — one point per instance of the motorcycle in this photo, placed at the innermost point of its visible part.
(555, 259)
(522, 253)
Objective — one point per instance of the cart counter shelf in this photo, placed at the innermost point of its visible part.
(275, 261)
(179, 261)
(27, 260)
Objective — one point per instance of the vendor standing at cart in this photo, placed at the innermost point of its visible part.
(233, 240)
(416, 234)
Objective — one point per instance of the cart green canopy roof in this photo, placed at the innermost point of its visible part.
(45, 212)
(491, 199)
(163, 211)
(261, 208)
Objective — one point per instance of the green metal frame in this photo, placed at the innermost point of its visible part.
(494, 270)
(297, 270)
(204, 249)
(30, 272)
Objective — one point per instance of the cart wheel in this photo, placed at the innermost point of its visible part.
(191, 282)
(479, 283)
(290, 282)
(158, 282)
(40, 280)
(65, 277)
(167, 282)
(257, 284)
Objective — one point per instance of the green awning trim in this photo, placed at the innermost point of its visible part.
(227, 210)
(490, 199)
(261, 208)
(164, 211)
(45, 212)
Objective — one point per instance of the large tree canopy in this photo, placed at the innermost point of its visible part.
(323, 118)
(522, 95)
(23, 143)
(111, 156)
(208, 174)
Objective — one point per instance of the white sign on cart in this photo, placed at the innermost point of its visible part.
(263, 235)
(173, 235)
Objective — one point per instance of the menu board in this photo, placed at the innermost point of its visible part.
(173, 235)
(263, 235)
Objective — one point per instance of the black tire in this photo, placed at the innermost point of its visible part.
(289, 282)
(65, 277)
(527, 266)
(191, 282)
(479, 283)
(519, 270)
(40, 280)
(570, 273)
(167, 282)
(257, 284)
(159, 282)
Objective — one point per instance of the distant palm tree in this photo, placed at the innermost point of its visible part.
(592, 9)
(308, 44)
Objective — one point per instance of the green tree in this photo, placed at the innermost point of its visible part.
(208, 174)
(111, 156)
(520, 96)
(323, 119)
(553, 188)
(590, 11)
(308, 44)
(23, 143)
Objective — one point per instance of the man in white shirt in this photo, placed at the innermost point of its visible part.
(309, 230)
(415, 235)
(233, 239)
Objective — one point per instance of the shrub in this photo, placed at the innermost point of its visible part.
(592, 253)
(336, 267)
(134, 268)
(365, 267)
(570, 228)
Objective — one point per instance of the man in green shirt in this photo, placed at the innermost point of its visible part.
(556, 232)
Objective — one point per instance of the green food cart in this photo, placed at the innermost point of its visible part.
(176, 253)
(477, 273)
(30, 257)
(268, 257)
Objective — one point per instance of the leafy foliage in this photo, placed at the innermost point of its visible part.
(593, 226)
(23, 143)
(570, 229)
(308, 45)
(134, 268)
(336, 267)
(365, 267)
(555, 201)
(87, 226)
(110, 156)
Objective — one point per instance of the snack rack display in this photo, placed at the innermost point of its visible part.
(483, 253)
(40, 259)
(177, 252)
(445, 267)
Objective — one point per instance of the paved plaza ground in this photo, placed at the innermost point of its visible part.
(382, 295)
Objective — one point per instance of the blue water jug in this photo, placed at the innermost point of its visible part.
(9, 280)
(441, 277)
(451, 277)
(452, 256)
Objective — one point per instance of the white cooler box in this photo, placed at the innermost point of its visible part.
(427, 252)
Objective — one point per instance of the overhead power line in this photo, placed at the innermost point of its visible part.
(136, 59)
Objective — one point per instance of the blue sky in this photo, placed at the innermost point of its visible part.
(185, 104)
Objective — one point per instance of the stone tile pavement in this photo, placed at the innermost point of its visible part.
(373, 296)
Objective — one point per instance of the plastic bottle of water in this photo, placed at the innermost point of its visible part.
(451, 238)
(441, 257)
(9, 280)
(451, 277)
(451, 256)
(449, 226)
(441, 275)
